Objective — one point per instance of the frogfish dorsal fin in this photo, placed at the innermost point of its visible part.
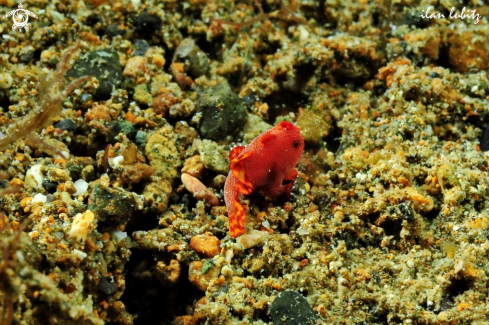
(234, 153)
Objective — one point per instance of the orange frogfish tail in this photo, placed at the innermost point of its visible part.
(236, 211)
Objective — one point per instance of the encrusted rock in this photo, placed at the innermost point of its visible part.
(213, 156)
(157, 195)
(163, 155)
(112, 204)
(206, 245)
(291, 308)
(200, 273)
(102, 64)
(81, 225)
(134, 67)
(223, 112)
(194, 167)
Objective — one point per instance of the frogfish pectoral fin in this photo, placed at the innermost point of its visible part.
(291, 175)
(237, 217)
(236, 211)
(238, 169)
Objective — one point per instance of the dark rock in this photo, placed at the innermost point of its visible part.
(3, 183)
(27, 57)
(485, 139)
(434, 75)
(412, 18)
(141, 47)
(122, 126)
(114, 205)
(50, 187)
(93, 19)
(66, 125)
(106, 287)
(146, 24)
(291, 308)
(406, 210)
(102, 64)
(196, 61)
(222, 112)
(114, 30)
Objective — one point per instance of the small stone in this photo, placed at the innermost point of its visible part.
(115, 205)
(27, 57)
(157, 195)
(194, 167)
(106, 287)
(50, 187)
(252, 238)
(134, 67)
(163, 156)
(197, 277)
(88, 173)
(81, 225)
(102, 64)
(291, 308)
(58, 175)
(146, 24)
(222, 112)
(133, 174)
(186, 133)
(199, 190)
(5, 80)
(98, 113)
(168, 275)
(196, 61)
(114, 30)
(120, 126)
(163, 102)
(81, 187)
(213, 156)
(141, 47)
(314, 124)
(253, 127)
(219, 181)
(142, 95)
(206, 245)
(141, 138)
(66, 125)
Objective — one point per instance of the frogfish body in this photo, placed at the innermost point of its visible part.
(262, 166)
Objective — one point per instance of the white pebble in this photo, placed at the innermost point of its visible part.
(39, 198)
(5, 80)
(81, 187)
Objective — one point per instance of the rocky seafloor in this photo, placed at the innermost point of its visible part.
(116, 121)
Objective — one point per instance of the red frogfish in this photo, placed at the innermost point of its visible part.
(266, 166)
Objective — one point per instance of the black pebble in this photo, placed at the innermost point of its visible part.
(114, 30)
(434, 75)
(50, 187)
(93, 19)
(104, 65)
(291, 308)
(106, 287)
(146, 24)
(27, 57)
(66, 125)
(141, 47)
(406, 210)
